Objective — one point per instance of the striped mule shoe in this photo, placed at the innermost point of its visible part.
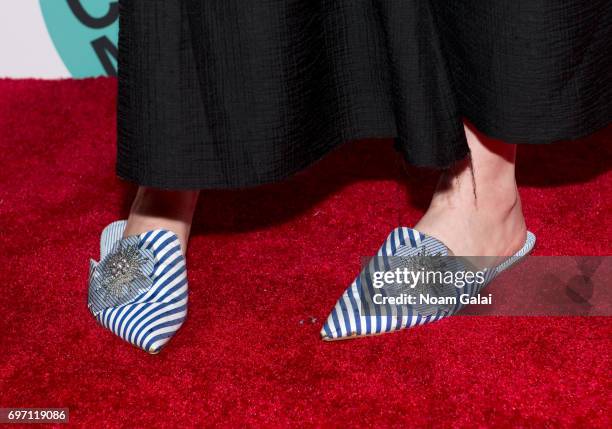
(372, 307)
(138, 290)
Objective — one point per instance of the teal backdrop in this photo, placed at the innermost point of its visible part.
(84, 33)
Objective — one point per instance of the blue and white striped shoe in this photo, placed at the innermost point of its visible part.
(355, 315)
(138, 290)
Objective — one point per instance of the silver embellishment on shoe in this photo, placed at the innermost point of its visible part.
(426, 262)
(124, 274)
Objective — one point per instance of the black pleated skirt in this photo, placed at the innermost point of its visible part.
(234, 93)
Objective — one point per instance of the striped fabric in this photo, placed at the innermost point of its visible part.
(152, 318)
(355, 316)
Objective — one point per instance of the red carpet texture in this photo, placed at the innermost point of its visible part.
(265, 267)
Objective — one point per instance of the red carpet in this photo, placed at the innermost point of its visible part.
(262, 262)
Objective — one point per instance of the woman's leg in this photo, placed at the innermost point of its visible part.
(476, 209)
(161, 209)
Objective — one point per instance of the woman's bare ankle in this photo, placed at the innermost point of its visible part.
(476, 209)
(162, 209)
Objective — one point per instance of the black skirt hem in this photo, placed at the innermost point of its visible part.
(458, 152)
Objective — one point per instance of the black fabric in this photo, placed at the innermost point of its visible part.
(232, 93)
